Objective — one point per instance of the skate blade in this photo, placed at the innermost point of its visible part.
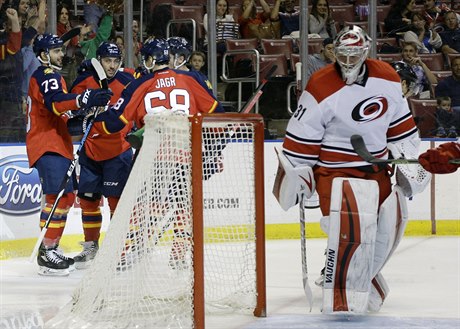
(46, 271)
(83, 265)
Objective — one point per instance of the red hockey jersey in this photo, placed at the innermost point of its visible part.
(47, 100)
(99, 146)
(164, 89)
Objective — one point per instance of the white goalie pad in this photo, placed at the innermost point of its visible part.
(379, 291)
(291, 182)
(351, 245)
(390, 229)
(412, 178)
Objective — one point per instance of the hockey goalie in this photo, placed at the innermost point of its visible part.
(364, 216)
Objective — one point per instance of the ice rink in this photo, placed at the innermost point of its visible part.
(423, 276)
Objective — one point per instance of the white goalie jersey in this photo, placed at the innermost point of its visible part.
(329, 112)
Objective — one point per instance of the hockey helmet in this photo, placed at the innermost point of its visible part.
(352, 46)
(158, 49)
(180, 46)
(406, 73)
(108, 49)
(45, 42)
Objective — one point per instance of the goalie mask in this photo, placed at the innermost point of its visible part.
(158, 49)
(45, 43)
(408, 77)
(351, 49)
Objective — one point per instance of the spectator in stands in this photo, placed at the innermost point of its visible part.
(325, 57)
(425, 38)
(137, 44)
(289, 17)
(434, 12)
(399, 17)
(69, 65)
(321, 21)
(197, 61)
(12, 128)
(445, 119)
(425, 78)
(258, 25)
(90, 45)
(226, 27)
(22, 7)
(93, 13)
(29, 62)
(451, 34)
(450, 86)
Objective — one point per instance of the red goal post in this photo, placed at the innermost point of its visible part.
(187, 238)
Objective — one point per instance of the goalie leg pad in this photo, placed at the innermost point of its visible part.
(351, 245)
(292, 182)
(379, 291)
(390, 229)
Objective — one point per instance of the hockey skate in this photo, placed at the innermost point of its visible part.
(177, 259)
(83, 260)
(50, 263)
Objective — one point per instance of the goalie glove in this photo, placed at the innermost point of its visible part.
(291, 183)
(436, 160)
(94, 97)
(412, 179)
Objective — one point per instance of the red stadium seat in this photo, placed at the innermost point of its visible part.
(435, 62)
(423, 111)
(242, 44)
(277, 46)
(379, 42)
(267, 61)
(450, 57)
(189, 12)
(440, 75)
(389, 58)
(343, 13)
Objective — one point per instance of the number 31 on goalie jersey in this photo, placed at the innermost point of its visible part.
(178, 99)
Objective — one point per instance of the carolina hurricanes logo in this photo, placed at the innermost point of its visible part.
(370, 109)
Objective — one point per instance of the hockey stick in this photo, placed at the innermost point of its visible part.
(303, 249)
(359, 146)
(70, 34)
(258, 92)
(103, 81)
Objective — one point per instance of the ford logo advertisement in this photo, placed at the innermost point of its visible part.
(20, 188)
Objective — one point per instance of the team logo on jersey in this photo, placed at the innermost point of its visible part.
(48, 71)
(370, 109)
(20, 189)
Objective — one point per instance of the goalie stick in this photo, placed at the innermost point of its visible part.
(103, 82)
(258, 92)
(303, 249)
(359, 146)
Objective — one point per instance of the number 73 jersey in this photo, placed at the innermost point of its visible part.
(165, 89)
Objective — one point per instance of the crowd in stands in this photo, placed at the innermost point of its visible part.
(411, 31)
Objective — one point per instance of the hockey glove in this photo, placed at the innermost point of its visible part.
(94, 97)
(436, 160)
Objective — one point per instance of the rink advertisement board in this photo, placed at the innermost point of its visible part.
(20, 198)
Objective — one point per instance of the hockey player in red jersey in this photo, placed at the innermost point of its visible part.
(163, 89)
(105, 161)
(363, 215)
(49, 144)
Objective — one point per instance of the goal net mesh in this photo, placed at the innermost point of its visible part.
(143, 274)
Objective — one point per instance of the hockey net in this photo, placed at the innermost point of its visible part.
(187, 237)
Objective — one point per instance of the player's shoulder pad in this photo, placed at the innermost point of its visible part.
(45, 73)
(198, 76)
(382, 70)
(124, 77)
(82, 77)
(325, 82)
